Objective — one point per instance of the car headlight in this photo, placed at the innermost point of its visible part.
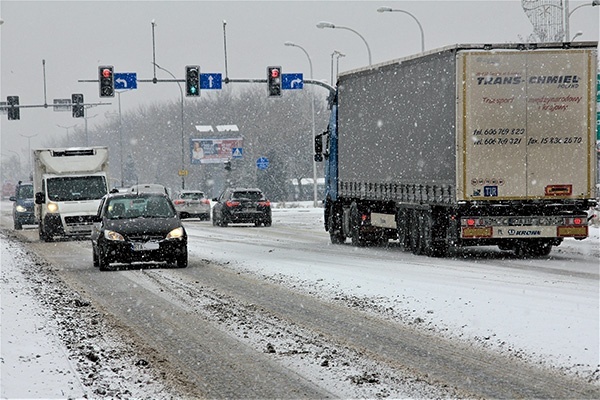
(112, 235)
(176, 233)
(52, 207)
(21, 208)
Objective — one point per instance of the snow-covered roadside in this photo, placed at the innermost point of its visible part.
(33, 359)
(55, 345)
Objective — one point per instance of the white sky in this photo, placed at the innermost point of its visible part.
(75, 37)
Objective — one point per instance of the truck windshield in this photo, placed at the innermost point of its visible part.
(73, 188)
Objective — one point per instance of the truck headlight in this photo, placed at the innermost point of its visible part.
(52, 207)
(176, 233)
(112, 235)
(20, 208)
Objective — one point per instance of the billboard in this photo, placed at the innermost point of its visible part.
(210, 151)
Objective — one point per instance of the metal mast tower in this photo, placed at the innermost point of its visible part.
(547, 18)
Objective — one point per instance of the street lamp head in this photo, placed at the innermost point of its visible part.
(384, 9)
(288, 43)
(595, 3)
(325, 24)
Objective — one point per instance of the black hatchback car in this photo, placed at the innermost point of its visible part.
(23, 213)
(138, 227)
(241, 205)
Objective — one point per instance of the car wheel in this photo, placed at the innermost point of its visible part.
(18, 225)
(182, 259)
(43, 235)
(103, 263)
(95, 257)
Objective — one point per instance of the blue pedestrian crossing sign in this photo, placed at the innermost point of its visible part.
(237, 152)
(211, 81)
(262, 163)
(292, 81)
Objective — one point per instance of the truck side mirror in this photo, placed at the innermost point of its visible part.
(319, 148)
(40, 198)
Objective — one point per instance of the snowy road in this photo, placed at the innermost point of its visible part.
(320, 320)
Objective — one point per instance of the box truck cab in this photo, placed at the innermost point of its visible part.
(68, 185)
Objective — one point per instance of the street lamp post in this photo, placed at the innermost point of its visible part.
(388, 9)
(337, 55)
(312, 112)
(182, 129)
(67, 128)
(86, 124)
(324, 24)
(121, 135)
(569, 13)
(155, 80)
(29, 147)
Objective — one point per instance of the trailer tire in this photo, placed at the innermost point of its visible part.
(355, 234)
(334, 226)
(414, 232)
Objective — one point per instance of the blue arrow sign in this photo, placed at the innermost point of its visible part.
(292, 81)
(125, 80)
(262, 163)
(210, 81)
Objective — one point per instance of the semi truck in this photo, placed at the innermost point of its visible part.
(467, 145)
(68, 185)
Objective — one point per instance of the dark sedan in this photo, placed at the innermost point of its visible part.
(241, 205)
(23, 205)
(138, 227)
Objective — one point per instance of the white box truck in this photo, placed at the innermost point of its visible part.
(68, 185)
(465, 145)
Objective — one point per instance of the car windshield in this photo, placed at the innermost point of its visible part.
(75, 188)
(247, 195)
(138, 207)
(25, 192)
(192, 196)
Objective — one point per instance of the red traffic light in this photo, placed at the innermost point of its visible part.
(274, 73)
(106, 73)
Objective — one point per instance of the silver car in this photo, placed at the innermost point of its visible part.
(192, 204)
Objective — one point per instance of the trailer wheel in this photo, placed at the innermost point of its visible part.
(414, 232)
(355, 234)
(403, 224)
(536, 248)
(334, 225)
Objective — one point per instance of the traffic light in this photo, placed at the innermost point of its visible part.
(13, 112)
(77, 101)
(192, 80)
(274, 81)
(106, 78)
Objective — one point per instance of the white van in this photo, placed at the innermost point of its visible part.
(149, 188)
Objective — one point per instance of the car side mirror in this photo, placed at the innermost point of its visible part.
(40, 198)
(215, 199)
(13, 198)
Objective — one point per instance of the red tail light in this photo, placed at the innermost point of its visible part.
(230, 203)
(178, 202)
(264, 203)
(205, 201)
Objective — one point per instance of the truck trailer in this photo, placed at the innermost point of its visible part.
(468, 145)
(68, 185)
